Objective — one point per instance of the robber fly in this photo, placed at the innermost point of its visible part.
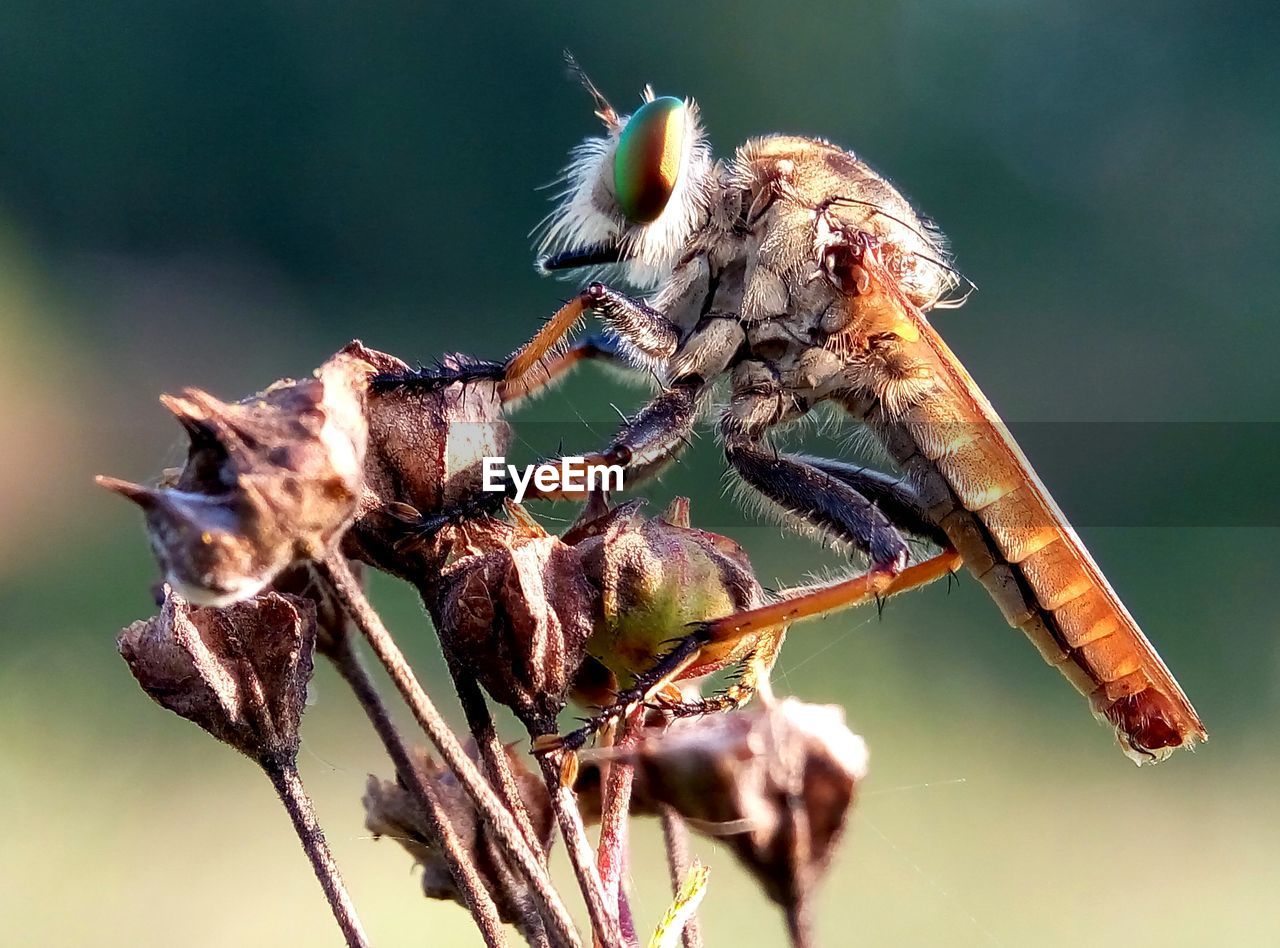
(800, 275)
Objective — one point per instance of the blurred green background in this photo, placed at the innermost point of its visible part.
(221, 194)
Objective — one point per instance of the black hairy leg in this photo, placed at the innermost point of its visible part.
(682, 653)
(893, 494)
(820, 499)
(648, 440)
(649, 333)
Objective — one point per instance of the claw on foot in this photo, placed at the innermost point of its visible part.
(546, 743)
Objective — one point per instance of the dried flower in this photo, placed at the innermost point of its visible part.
(775, 783)
(240, 672)
(518, 614)
(334, 628)
(390, 810)
(268, 481)
(425, 454)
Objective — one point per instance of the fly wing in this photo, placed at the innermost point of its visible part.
(1014, 538)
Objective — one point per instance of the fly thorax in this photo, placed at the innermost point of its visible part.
(818, 373)
(709, 348)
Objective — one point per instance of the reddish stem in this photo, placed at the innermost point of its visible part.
(611, 853)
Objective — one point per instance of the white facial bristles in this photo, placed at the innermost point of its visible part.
(587, 213)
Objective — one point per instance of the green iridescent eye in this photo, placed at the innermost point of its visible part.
(647, 163)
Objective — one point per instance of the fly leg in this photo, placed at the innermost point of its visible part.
(682, 654)
(815, 497)
(894, 495)
(751, 676)
(652, 337)
(648, 687)
(542, 359)
(657, 433)
(648, 440)
(833, 597)
(511, 370)
(850, 504)
(595, 348)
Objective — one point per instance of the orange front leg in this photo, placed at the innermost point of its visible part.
(561, 323)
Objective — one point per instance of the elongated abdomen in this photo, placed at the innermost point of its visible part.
(983, 493)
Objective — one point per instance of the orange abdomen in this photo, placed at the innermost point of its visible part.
(983, 493)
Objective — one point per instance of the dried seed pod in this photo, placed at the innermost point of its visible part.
(240, 672)
(426, 450)
(655, 576)
(268, 481)
(517, 615)
(775, 783)
(391, 811)
(427, 446)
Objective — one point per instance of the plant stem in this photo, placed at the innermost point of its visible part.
(565, 806)
(503, 825)
(626, 921)
(798, 928)
(497, 766)
(798, 907)
(493, 756)
(471, 887)
(284, 777)
(676, 837)
(615, 807)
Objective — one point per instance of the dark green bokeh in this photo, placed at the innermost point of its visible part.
(222, 194)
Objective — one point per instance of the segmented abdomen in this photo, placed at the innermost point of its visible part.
(983, 493)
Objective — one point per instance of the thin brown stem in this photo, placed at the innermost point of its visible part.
(615, 807)
(798, 927)
(503, 825)
(497, 766)
(493, 755)
(474, 892)
(676, 837)
(284, 777)
(564, 804)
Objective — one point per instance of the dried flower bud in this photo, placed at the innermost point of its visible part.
(240, 672)
(426, 450)
(268, 481)
(775, 783)
(390, 810)
(518, 616)
(655, 576)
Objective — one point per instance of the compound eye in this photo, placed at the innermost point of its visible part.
(647, 163)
